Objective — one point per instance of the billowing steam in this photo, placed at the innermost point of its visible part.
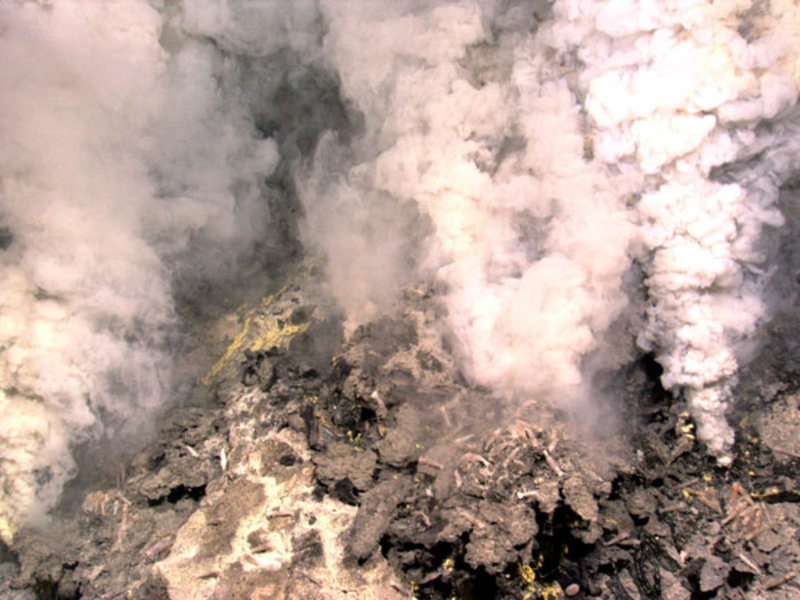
(128, 175)
(551, 146)
(480, 130)
(698, 87)
(523, 154)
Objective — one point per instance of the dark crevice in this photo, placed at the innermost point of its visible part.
(179, 493)
(6, 237)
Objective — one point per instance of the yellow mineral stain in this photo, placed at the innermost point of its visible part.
(260, 331)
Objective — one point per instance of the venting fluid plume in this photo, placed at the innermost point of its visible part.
(523, 154)
(127, 174)
(551, 146)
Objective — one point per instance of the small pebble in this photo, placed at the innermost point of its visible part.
(572, 590)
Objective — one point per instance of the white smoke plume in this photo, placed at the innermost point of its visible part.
(682, 90)
(126, 173)
(524, 154)
(527, 144)
(530, 237)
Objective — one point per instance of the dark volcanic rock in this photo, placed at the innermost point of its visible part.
(375, 514)
(396, 459)
(401, 445)
(344, 461)
(498, 535)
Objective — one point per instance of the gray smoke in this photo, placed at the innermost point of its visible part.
(130, 176)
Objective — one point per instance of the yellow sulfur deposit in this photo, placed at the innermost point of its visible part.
(7, 527)
(264, 326)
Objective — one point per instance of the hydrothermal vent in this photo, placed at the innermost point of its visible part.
(524, 155)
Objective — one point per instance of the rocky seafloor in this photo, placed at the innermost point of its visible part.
(374, 470)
